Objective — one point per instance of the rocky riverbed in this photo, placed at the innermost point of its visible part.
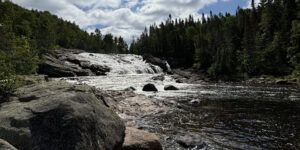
(185, 110)
(209, 116)
(201, 114)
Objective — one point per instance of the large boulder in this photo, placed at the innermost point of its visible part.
(99, 70)
(150, 88)
(136, 139)
(64, 63)
(170, 88)
(191, 141)
(96, 69)
(57, 115)
(6, 146)
(54, 67)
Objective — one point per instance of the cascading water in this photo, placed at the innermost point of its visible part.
(121, 63)
(224, 115)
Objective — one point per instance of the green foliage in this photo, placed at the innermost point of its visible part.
(257, 41)
(22, 57)
(27, 34)
(18, 59)
(7, 76)
(45, 31)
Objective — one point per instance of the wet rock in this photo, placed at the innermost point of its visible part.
(136, 139)
(191, 141)
(157, 61)
(150, 87)
(63, 63)
(195, 101)
(285, 82)
(6, 146)
(99, 70)
(170, 88)
(130, 89)
(54, 67)
(179, 81)
(289, 146)
(96, 69)
(57, 115)
(281, 81)
(159, 78)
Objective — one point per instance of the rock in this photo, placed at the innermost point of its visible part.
(130, 89)
(6, 146)
(54, 67)
(96, 69)
(158, 62)
(57, 115)
(284, 82)
(191, 141)
(170, 88)
(64, 63)
(150, 87)
(195, 101)
(281, 81)
(136, 139)
(99, 70)
(159, 78)
(179, 81)
(289, 146)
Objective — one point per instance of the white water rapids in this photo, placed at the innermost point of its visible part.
(128, 70)
(121, 63)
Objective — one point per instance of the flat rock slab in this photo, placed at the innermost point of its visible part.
(136, 139)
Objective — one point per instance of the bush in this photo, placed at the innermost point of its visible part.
(20, 59)
(7, 77)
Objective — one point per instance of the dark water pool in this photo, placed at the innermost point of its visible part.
(231, 117)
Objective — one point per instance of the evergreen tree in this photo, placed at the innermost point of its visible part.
(260, 40)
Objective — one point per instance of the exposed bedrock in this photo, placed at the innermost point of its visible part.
(57, 115)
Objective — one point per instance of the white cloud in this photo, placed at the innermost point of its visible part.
(126, 18)
(250, 1)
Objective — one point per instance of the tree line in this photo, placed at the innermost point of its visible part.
(262, 40)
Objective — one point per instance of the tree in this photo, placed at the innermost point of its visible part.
(122, 47)
(294, 49)
(108, 43)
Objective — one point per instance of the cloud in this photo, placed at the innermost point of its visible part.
(126, 18)
(250, 1)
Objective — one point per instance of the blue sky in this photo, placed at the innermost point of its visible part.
(128, 18)
(224, 6)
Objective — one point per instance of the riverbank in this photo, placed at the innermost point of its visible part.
(193, 76)
(57, 115)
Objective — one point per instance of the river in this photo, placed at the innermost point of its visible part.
(216, 115)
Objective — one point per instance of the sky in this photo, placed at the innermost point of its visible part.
(128, 18)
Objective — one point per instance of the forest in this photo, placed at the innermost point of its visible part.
(262, 40)
(25, 35)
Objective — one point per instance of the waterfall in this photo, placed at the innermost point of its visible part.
(121, 63)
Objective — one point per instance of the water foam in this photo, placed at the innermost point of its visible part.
(121, 63)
